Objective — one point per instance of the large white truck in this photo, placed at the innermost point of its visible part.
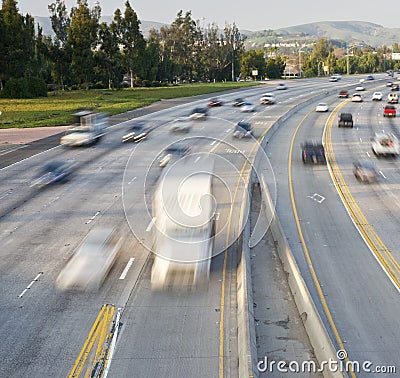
(89, 128)
(183, 215)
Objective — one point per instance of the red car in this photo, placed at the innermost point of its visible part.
(389, 111)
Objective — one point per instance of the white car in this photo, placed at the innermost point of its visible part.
(360, 88)
(322, 107)
(181, 124)
(385, 144)
(362, 81)
(90, 264)
(377, 96)
(356, 97)
(337, 76)
(281, 86)
(247, 107)
(267, 99)
(333, 78)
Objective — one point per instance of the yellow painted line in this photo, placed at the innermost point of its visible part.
(97, 333)
(305, 249)
(380, 251)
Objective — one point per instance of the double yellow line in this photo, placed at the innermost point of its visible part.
(377, 246)
(98, 334)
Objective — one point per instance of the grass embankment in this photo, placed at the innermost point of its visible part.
(57, 108)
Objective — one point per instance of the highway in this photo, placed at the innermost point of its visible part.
(180, 333)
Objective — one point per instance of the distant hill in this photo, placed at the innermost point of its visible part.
(347, 31)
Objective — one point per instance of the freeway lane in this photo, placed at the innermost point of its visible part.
(43, 331)
(362, 300)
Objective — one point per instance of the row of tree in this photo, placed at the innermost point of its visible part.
(84, 52)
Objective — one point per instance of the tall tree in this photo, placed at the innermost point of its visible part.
(132, 41)
(83, 40)
(59, 52)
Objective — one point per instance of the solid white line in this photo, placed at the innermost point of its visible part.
(8, 166)
(125, 271)
(12, 150)
(151, 224)
(113, 342)
(92, 218)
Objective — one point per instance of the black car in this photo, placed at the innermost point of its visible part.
(215, 102)
(242, 129)
(52, 172)
(138, 131)
(312, 152)
(238, 101)
(175, 151)
(345, 120)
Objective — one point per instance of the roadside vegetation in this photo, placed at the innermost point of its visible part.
(57, 108)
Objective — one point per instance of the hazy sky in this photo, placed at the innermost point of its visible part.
(251, 15)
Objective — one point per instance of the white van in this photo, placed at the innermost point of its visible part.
(393, 98)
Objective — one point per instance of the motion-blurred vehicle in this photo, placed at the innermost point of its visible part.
(389, 84)
(184, 212)
(322, 107)
(312, 152)
(365, 171)
(52, 172)
(281, 86)
(377, 96)
(356, 97)
(370, 77)
(173, 152)
(181, 125)
(89, 128)
(385, 144)
(343, 93)
(389, 111)
(361, 81)
(393, 98)
(360, 88)
(242, 129)
(337, 76)
(238, 101)
(199, 113)
(247, 107)
(138, 131)
(215, 102)
(92, 261)
(267, 99)
(345, 120)
(333, 78)
(395, 87)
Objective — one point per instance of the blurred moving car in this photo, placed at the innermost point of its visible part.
(360, 88)
(365, 171)
(52, 172)
(333, 78)
(281, 86)
(345, 119)
(181, 125)
(215, 102)
(389, 111)
(138, 131)
(356, 97)
(337, 76)
(247, 107)
(175, 151)
(389, 84)
(312, 152)
(377, 96)
(322, 107)
(267, 99)
(343, 93)
(238, 102)
(385, 144)
(91, 263)
(393, 98)
(199, 113)
(242, 129)
(370, 77)
(395, 87)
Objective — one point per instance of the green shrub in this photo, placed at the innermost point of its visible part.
(37, 87)
(24, 88)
